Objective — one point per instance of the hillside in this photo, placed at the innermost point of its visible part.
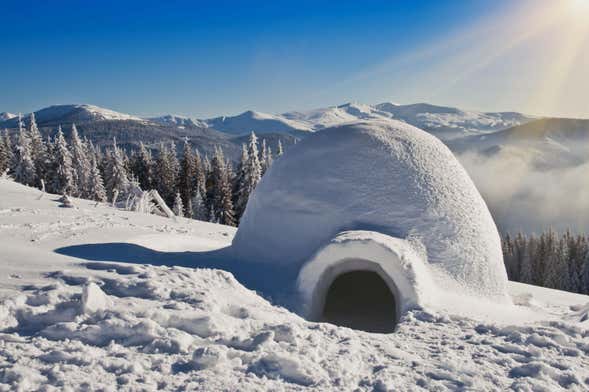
(93, 297)
(102, 125)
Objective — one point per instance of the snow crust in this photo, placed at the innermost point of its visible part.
(386, 177)
(169, 326)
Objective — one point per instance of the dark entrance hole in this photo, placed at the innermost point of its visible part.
(360, 300)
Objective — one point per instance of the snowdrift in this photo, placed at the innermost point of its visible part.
(416, 218)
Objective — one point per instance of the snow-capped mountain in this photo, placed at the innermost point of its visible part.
(75, 113)
(178, 121)
(249, 121)
(6, 116)
(444, 122)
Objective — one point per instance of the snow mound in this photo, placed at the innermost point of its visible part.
(385, 177)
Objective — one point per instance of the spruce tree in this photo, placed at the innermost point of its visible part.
(239, 184)
(62, 173)
(527, 259)
(9, 150)
(280, 150)
(187, 181)
(200, 174)
(117, 180)
(252, 173)
(220, 198)
(166, 173)
(199, 209)
(264, 157)
(96, 190)
(24, 167)
(38, 151)
(81, 165)
(142, 167)
(4, 158)
(178, 206)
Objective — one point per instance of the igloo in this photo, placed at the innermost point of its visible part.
(369, 220)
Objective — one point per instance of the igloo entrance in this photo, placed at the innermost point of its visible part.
(360, 300)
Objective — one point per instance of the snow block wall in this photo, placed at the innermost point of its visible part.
(433, 230)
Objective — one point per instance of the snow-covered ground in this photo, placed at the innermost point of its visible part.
(81, 309)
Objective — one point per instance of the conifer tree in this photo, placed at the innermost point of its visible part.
(528, 255)
(62, 173)
(264, 157)
(4, 157)
(239, 184)
(96, 190)
(142, 167)
(81, 164)
(220, 198)
(38, 151)
(8, 150)
(117, 180)
(24, 167)
(252, 173)
(280, 150)
(166, 173)
(199, 209)
(199, 174)
(178, 206)
(187, 181)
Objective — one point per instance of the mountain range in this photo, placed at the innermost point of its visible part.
(551, 141)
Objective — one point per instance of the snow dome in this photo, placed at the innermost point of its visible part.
(374, 218)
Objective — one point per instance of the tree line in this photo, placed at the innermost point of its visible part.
(558, 261)
(209, 189)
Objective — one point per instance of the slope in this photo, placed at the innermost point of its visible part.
(100, 321)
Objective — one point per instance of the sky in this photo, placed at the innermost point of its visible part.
(205, 59)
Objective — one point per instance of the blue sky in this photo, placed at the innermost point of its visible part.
(211, 58)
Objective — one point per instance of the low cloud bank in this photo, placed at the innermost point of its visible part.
(523, 197)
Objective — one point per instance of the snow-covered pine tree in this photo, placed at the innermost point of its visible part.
(264, 157)
(62, 172)
(187, 181)
(556, 273)
(239, 184)
(38, 151)
(206, 164)
(252, 173)
(81, 164)
(528, 248)
(4, 157)
(117, 180)
(509, 257)
(9, 150)
(199, 174)
(280, 150)
(269, 159)
(178, 206)
(220, 197)
(23, 167)
(166, 173)
(584, 274)
(96, 190)
(142, 167)
(199, 208)
(577, 247)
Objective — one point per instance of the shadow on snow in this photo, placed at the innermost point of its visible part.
(274, 281)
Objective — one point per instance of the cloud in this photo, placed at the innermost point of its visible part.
(523, 197)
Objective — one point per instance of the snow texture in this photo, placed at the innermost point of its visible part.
(390, 178)
(81, 309)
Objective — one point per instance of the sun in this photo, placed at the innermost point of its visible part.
(580, 6)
